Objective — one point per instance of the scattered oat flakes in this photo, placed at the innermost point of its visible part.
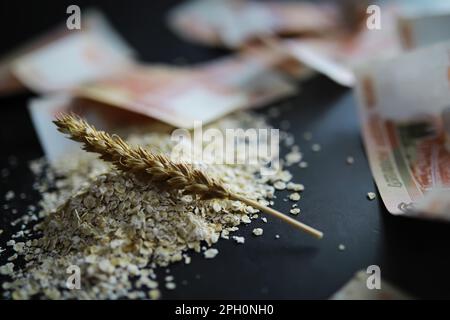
(7, 268)
(277, 236)
(106, 266)
(316, 147)
(371, 195)
(217, 207)
(154, 294)
(13, 257)
(258, 231)
(293, 157)
(350, 160)
(264, 219)
(284, 176)
(9, 195)
(295, 186)
(225, 234)
(294, 196)
(187, 198)
(19, 246)
(117, 228)
(279, 185)
(295, 211)
(245, 219)
(341, 247)
(170, 285)
(249, 209)
(238, 239)
(303, 164)
(210, 253)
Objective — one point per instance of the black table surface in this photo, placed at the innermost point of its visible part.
(412, 254)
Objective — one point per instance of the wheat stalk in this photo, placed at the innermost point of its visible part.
(157, 168)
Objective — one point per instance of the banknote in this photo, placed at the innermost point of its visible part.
(315, 34)
(337, 55)
(204, 92)
(357, 289)
(44, 110)
(404, 25)
(404, 105)
(231, 23)
(65, 58)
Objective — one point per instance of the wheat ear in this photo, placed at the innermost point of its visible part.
(157, 168)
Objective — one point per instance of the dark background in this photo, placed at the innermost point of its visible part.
(412, 254)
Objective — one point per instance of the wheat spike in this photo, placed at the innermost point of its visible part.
(157, 168)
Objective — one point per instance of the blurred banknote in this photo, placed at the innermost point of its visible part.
(180, 96)
(357, 289)
(231, 23)
(337, 55)
(404, 25)
(316, 35)
(43, 111)
(65, 58)
(404, 106)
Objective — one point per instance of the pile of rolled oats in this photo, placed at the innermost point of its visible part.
(117, 230)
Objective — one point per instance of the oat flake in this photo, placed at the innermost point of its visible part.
(116, 228)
